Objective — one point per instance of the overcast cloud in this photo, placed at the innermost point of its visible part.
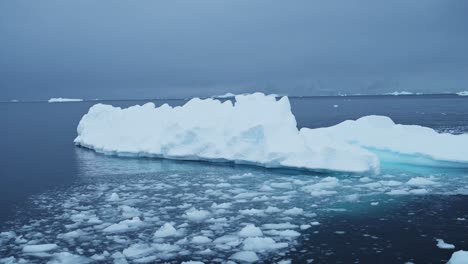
(146, 49)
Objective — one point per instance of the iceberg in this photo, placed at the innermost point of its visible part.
(396, 93)
(261, 130)
(63, 100)
(256, 129)
(463, 93)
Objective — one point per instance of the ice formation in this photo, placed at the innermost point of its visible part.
(397, 93)
(259, 130)
(63, 100)
(256, 129)
(381, 135)
(459, 257)
(463, 93)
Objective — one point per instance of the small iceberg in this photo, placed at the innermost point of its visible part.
(463, 93)
(63, 100)
(396, 93)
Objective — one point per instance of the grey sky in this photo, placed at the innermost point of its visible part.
(143, 49)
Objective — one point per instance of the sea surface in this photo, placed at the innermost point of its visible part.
(52, 192)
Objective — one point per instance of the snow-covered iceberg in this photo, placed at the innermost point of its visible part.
(256, 129)
(381, 135)
(63, 100)
(260, 130)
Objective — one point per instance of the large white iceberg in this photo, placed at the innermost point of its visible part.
(260, 130)
(255, 129)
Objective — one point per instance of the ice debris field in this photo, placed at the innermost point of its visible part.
(198, 213)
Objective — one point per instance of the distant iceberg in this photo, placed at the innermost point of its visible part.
(257, 129)
(463, 93)
(63, 100)
(396, 93)
(231, 95)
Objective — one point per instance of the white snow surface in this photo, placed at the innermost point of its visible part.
(260, 130)
(63, 100)
(381, 134)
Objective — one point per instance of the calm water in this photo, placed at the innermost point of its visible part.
(46, 183)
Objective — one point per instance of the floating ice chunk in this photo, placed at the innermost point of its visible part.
(72, 234)
(192, 262)
(100, 257)
(262, 244)
(252, 211)
(305, 227)
(323, 187)
(250, 230)
(247, 256)
(165, 247)
(315, 223)
(129, 212)
(272, 209)
(294, 211)
(420, 181)
(463, 93)
(459, 257)
(167, 230)
(419, 191)
(124, 225)
(66, 258)
(138, 250)
(221, 206)
(279, 226)
(201, 240)
(196, 215)
(443, 245)
(284, 233)
(39, 248)
(114, 197)
(282, 185)
(256, 129)
(398, 192)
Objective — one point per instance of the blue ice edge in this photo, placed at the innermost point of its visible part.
(388, 160)
(392, 159)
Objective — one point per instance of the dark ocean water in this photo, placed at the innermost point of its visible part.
(38, 158)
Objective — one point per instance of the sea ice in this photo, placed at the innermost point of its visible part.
(247, 256)
(167, 230)
(39, 248)
(250, 230)
(443, 245)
